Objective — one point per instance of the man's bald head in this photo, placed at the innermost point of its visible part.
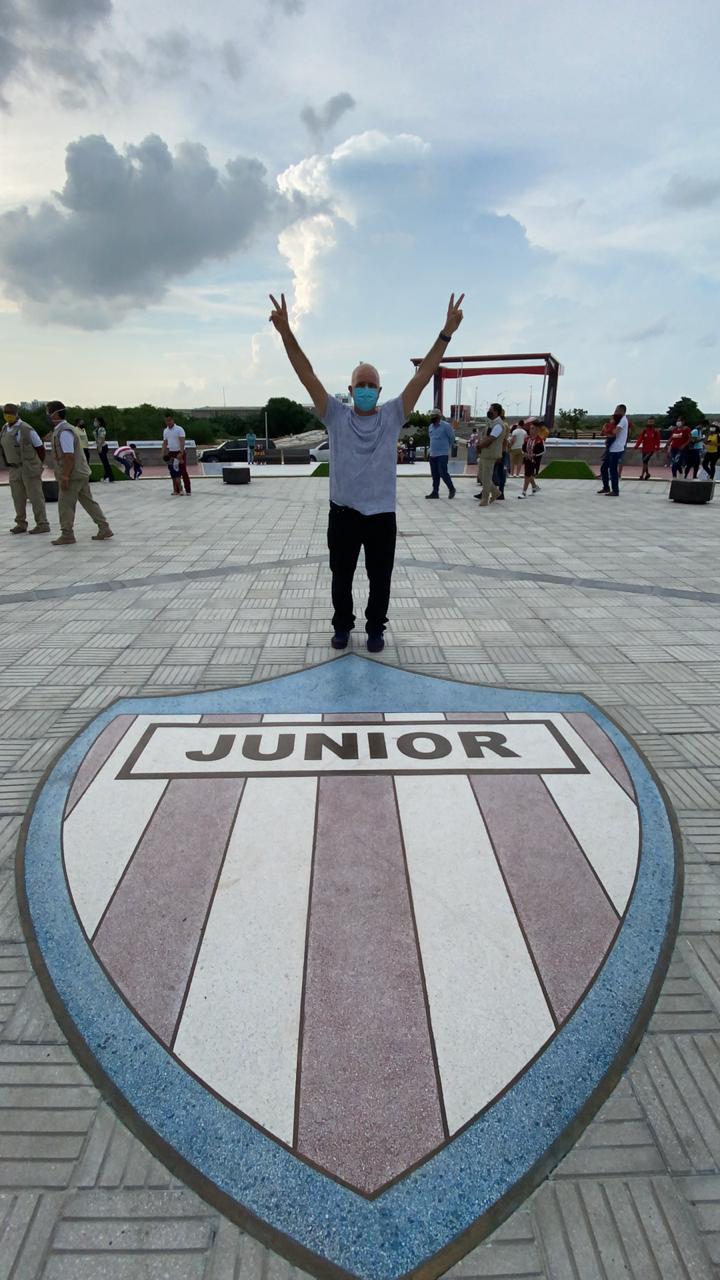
(365, 375)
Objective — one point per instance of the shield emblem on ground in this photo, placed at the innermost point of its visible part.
(358, 952)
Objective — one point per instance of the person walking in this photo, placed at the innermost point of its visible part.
(502, 466)
(518, 436)
(533, 450)
(136, 461)
(490, 451)
(442, 439)
(73, 475)
(712, 447)
(648, 442)
(472, 448)
(24, 455)
(251, 441)
(679, 438)
(174, 454)
(83, 436)
(694, 451)
(614, 452)
(101, 445)
(363, 472)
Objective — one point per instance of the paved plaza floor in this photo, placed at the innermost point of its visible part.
(616, 600)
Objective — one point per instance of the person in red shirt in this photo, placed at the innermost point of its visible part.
(677, 444)
(649, 442)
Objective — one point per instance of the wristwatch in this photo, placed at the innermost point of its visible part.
(445, 336)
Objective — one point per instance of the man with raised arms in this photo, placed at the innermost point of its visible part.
(363, 457)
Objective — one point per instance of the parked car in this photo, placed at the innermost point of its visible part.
(234, 451)
(320, 452)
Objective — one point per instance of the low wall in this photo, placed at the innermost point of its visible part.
(150, 451)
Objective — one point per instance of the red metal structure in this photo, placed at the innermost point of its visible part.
(545, 365)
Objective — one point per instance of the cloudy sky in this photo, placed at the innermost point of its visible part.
(165, 166)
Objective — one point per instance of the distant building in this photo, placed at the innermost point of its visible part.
(223, 411)
(460, 412)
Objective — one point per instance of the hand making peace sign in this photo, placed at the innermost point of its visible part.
(454, 314)
(279, 316)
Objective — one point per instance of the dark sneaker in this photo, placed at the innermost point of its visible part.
(103, 533)
(603, 490)
(432, 495)
(40, 528)
(452, 493)
(376, 639)
(340, 639)
(19, 528)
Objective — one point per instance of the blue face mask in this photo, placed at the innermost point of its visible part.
(365, 397)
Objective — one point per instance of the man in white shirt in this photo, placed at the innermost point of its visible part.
(174, 454)
(614, 453)
(518, 436)
(24, 454)
(363, 471)
(73, 475)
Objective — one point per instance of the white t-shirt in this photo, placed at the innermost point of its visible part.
(518, 436)
(67, 440)
(363, 455)
(496, 430)
(621, 435)
(174, 438)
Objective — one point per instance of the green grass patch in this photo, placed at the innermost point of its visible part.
(567, 469)
(97, 473)
(322, 469)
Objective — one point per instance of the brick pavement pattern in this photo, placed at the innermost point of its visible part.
(619, 601)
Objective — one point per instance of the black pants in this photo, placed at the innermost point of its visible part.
(348, 531)
(103, 452)
(691, 462)
(710, 463)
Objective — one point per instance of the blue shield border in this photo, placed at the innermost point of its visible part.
(423, 1222)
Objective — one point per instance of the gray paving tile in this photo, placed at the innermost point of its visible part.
(677, 1081)
(623, 1228)
(702, 1193)
(618, 1141)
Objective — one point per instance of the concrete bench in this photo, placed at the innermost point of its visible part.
(294, 457)
(236, 473)
(694, 491)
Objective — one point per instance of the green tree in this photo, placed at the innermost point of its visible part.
(572, 419)
(286, 418)
(418, 424)
(686, 409)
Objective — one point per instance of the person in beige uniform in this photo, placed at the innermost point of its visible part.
(490, 448)
(73, 475)
(24, 454)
